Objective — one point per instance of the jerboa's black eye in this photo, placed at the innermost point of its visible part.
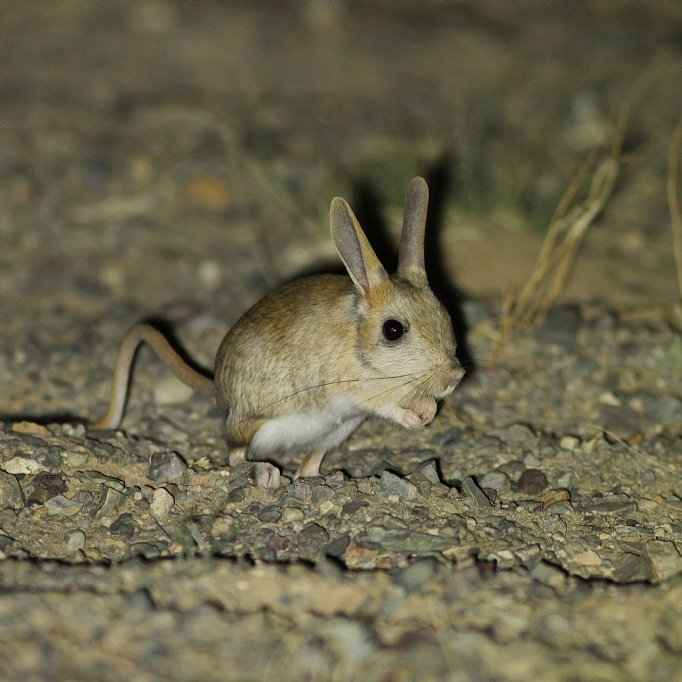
(393, 330)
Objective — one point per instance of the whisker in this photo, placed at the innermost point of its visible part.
(333, 383)
(415, 383)
(417, 378)
(418, 388)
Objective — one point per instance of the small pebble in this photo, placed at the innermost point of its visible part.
(337, 546)
(548, 574)
(166, 466)
(124, 526)
(104, 479)
(321, 493)
(504, 559)
(430, 471)
(312, 540)
(73, 458)
(553, 497)
(570, 443)
(629, 567)
(417, 574)
(532, 482)
(31, 427)
(62, 506)
(530, 460)
(472, 490)
(329, 507)
(337, 479)
(422, 483)
(497, 480)
(394, 485)
(75, 540)
(528, 555)
(517, 433)
(110, 499)
(161, 503)
(270, 514)
(11, 494)
(50, 483)
(664, 558)
(22, 465)
(587, 557)
(513, 468)
(75, 430)
(291, 514)
(565, 479)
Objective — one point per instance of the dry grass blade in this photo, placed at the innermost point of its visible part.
(568, 227)
(528, 306)
(673, 203)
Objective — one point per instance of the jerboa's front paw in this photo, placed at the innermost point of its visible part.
(417, 413)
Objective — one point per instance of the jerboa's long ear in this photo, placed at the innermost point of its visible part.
(351, 243)
(411, 254)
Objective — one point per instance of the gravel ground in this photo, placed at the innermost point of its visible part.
(176, 161)
(533, 531)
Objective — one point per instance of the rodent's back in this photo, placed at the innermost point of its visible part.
(289, 342)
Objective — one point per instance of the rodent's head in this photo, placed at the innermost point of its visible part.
(404, 331)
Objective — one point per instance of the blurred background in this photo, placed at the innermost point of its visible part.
(159, 154)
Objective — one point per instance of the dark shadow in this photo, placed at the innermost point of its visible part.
(368, 204)
(6, 420)
(334, 267)
(167, 330)
(68, 418)
(439, 179)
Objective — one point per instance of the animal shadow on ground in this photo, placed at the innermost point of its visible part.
(367, 205)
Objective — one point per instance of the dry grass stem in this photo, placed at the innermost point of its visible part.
(530, 304)
(568, 227)
(673, 202)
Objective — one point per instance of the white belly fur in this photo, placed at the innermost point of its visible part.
(323, 428)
